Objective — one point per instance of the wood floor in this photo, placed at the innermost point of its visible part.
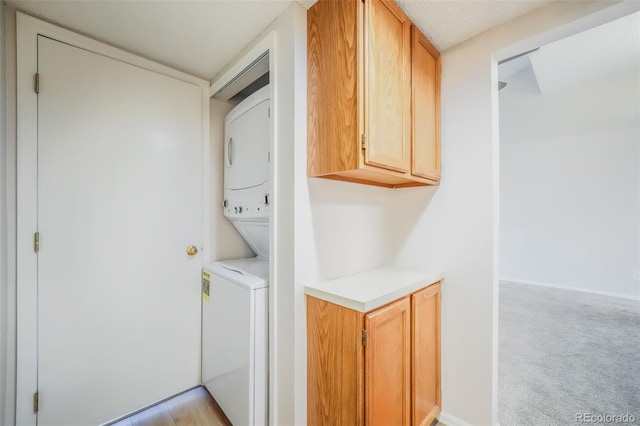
(192, 408)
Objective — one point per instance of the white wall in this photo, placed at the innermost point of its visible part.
(8, 213)
(570, 184)
(3, 229)
(340, 228)
(457, 231)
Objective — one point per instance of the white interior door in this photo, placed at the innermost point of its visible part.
(119, 200)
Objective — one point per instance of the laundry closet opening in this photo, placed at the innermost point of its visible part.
(235, 284)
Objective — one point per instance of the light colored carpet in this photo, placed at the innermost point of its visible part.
(562, 353)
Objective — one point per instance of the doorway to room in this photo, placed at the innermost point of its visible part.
(570, 228)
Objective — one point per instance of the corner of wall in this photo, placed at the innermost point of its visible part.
(3, 229)
(458, 230)
(7, 215)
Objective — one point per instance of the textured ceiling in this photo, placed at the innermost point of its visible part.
(201, 37)
(449, 22)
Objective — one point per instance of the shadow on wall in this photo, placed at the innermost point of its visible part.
(360, 227)
(411, 203)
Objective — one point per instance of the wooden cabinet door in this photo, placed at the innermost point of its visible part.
(425, 125)
(334, 361)
(387, 85)
(425, 359)
(387, 365)
(334, 98)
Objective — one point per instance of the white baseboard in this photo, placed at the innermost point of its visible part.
(508, 280)
(451, 420)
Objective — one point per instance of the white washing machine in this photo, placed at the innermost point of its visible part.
(235, 292)
(235, 338)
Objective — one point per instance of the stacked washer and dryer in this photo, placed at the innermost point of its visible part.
(235, 292)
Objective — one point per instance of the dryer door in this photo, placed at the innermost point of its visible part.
(246, 150)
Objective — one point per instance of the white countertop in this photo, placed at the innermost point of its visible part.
(371, 289)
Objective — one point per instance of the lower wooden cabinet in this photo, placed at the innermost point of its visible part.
(387, 364)
(374, 368)
(425, 359)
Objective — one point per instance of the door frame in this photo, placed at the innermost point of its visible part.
(27, 31)
(266, 44)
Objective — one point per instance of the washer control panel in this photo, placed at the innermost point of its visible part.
(246, 203)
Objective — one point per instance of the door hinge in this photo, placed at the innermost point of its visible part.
(363, 140)
(364, 337)
(36, 242)
(36, 402)
(37, 83)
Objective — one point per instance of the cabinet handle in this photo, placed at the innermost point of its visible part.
(229, 154)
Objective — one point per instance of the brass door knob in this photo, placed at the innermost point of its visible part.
(192, 250)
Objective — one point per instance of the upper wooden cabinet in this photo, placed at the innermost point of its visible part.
(425, 107)
(373, 95)
(387, 75)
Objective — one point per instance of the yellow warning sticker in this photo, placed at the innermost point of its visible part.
(206, 285)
